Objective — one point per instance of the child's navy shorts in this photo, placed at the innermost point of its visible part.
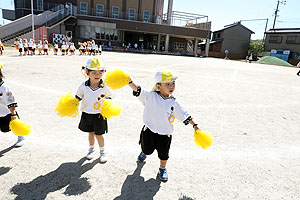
(4, 123)
(150, 141)
(93, 123)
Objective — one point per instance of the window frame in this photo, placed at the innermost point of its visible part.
(132, 18)
(278, 39)
(98, 13)
(81, 11)
(113, 15)
(38, 5)
(294, 41)
(144, 18)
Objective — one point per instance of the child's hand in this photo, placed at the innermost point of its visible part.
(13, 117)
(195, 126)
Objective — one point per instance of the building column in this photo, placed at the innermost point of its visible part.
(108, 14)
(158, 42)
(167, 43)
(206, 48)
(195, 46)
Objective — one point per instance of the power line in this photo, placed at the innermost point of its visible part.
(276, 11)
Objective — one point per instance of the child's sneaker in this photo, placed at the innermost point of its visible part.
(20, 142)
(142, 157)
(90, 154)
(163, 174)
(103, 157)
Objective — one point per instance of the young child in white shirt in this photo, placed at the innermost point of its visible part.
(161, 109)
(8, 106)
(91, 93)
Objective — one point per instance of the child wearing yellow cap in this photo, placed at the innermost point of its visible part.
(8, 106)
(91, 93)
(161, 109)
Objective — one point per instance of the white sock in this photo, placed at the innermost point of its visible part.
(91, 146)
(102, 149)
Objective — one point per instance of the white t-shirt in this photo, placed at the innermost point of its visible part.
(45, 46)
(20, 45)
(7, 99)
(91, 98)
(158, 110)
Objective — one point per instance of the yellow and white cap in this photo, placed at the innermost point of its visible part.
(164, 77)
(95, 64)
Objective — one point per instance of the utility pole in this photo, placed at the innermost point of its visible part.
(32, 19)
(276, 11)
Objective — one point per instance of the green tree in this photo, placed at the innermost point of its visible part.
(256, 47)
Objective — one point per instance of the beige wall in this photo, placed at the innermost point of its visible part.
(103, 2)
(89, 5)
(116, 3)
(147, 5)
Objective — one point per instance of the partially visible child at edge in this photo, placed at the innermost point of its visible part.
(90, 93)
(8, 106)
(161, 108)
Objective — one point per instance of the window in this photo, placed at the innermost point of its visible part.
(83, 8)
(115, 12)
(275, 39)
(99, 10)
(40, 5)
(146, 17)
(219, 35)
(179, 46)
(131, 14)
(293, 39)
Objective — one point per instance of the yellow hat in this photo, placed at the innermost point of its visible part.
(95, 64)
(1, 65)
(164, 76)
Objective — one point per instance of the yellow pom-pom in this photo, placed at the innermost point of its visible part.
(116, 79)
(67, 106)
(203, 139)
(19, 127)
(110, 108)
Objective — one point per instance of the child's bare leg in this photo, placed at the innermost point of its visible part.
(91, 138)
(100, 140)
(163, 163)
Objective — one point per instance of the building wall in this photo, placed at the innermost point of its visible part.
(147, 5)
(236, 40)
(295, 48)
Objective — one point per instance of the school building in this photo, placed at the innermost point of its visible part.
(116, 22)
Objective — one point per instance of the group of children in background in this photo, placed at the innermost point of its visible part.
(29, 47)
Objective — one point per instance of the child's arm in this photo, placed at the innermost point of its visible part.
(195, 126)
(133, 85)
(13, 112)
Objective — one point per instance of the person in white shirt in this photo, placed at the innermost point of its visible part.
(25, 46)
(161, 109)
(100, 49)
(33, 47)
(63, 48)
(91, 93)
(30, 44)
(40, 46)
(46, 47)
(8, 106)
(20, 46)
(55, 48)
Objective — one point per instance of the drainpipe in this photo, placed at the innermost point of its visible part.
(170, 10)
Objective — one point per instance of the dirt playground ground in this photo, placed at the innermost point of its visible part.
(253, 111)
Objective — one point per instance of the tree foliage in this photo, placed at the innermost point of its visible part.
(256, 47)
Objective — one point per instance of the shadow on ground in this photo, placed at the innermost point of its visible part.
(67, 174)
(6, 150)
(4, 170)
(135, 187)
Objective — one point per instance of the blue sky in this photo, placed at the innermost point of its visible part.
(224, 12)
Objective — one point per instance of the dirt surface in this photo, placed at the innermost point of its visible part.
(253, 111)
